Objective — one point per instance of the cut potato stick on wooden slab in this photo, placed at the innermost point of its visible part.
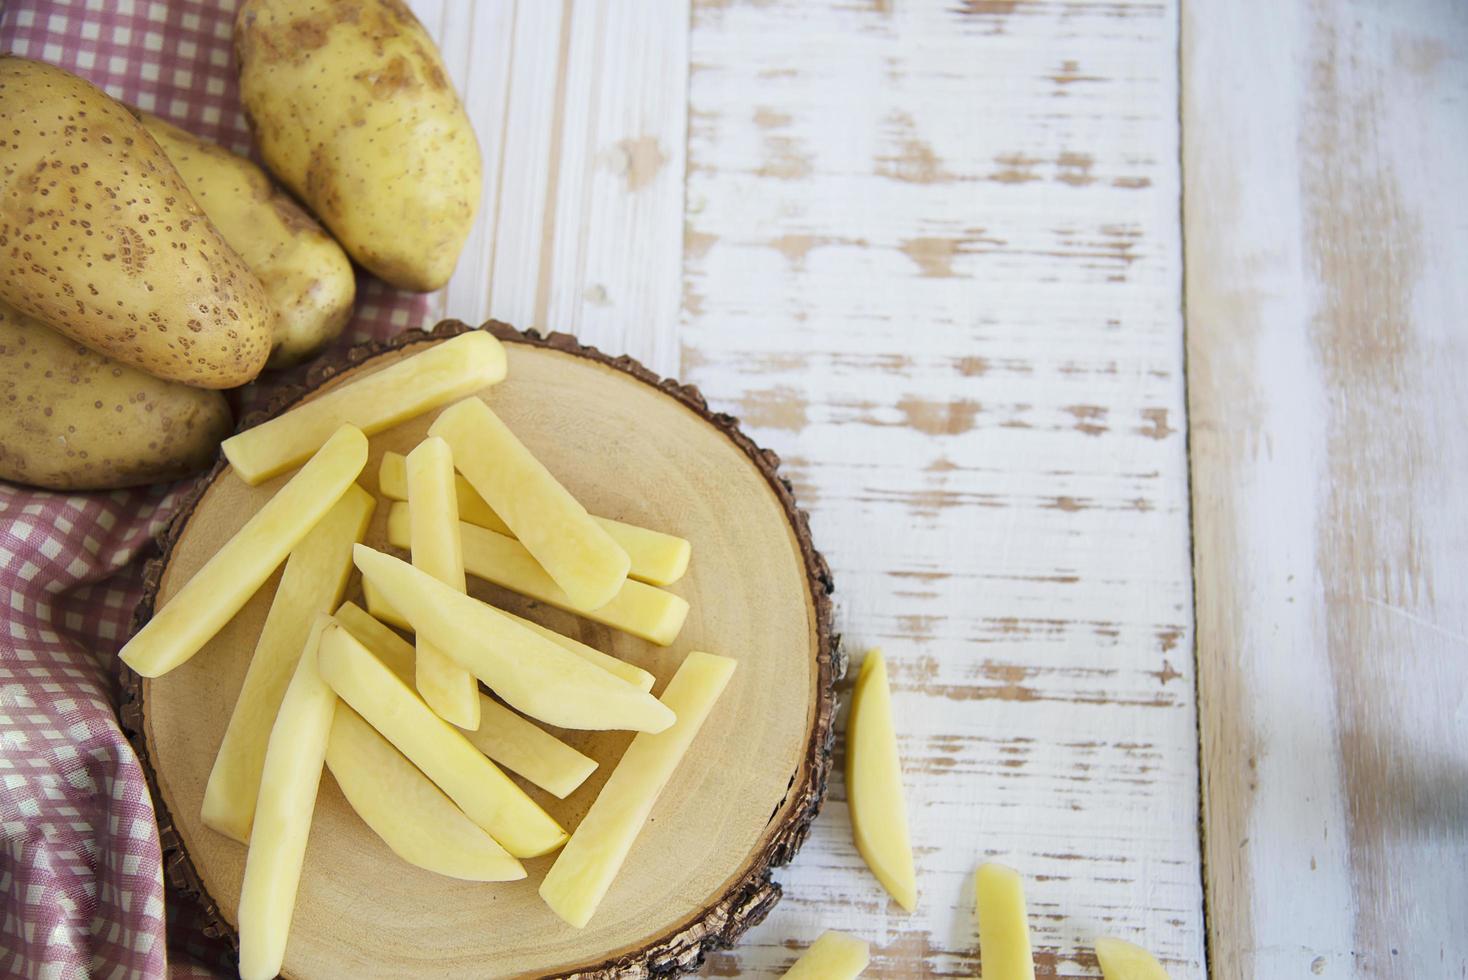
(442, 373)
(392, 482)
(834, 956)
(312, 584)
(1004, 928)
(532, 674)
(657, 558)
(584, 870)
(874, 784)
(523, 747)
(288, 787)
(653, 614)
(448, 688)
(382, 610)
(485, 794)
(514, 742)
(575, 551)
(238, 569)
(1121, 960)
(405, 809)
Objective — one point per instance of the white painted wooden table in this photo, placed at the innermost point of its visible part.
(932, 253)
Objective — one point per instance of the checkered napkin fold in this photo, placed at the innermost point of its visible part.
(81, 887)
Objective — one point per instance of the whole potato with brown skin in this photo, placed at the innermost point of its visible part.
(307, 277)
(71, 419)
(352, 111)
(101, 240)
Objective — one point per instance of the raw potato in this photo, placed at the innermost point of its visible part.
(657, 558)
(312, 584)
(448, 688)
(485, 794)
(104, 243)
(307, 277)
(631, 673)
(238, 569)
(653, 614)
(1121, 960)
(416, 384)
(522, 747)
(874, 784)
(71, 419)
(574, 550)
(283, 818)
(1004, 928)
(354, 112)
(405, 809)
(578, 881)
(514, 742)
(540, 678)
(834, 956)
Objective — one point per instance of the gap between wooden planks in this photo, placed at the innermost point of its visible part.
(929, 251)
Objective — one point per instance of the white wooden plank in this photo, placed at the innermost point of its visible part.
(932, 257)
(475, 40)
(613, 274)
(529, 148)
(1326, 232)
(580, 109)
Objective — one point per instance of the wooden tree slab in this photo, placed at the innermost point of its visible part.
(632, 447)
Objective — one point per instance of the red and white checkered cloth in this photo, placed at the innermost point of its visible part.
(81, 891)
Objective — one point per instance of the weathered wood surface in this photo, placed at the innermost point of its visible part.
(1327, 232)
(930, 252)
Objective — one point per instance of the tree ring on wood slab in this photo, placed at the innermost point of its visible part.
(632, 446)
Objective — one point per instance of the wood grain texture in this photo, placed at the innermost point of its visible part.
(931, 255)
(579, 106)
(1326, 230)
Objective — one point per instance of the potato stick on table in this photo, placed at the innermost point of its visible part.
(575, 551)
(874, 784)
(834, 956)
(585, 868)
(238, 569)
(1121, 960)
(1004, 928)
(532, 674)
(438, 374)
(312, 584)
(653, 614)
(448, 688)
(657, 558)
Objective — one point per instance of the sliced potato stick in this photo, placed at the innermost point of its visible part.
(238, 569)
(514, 742)
(657, 558)
(441, 373)
(405, 809)
(283, 815)
(312, 584)
(485, 794)
(448, 688)
(574, 550)
(653, 614)
(533, 675)
(578, 881)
